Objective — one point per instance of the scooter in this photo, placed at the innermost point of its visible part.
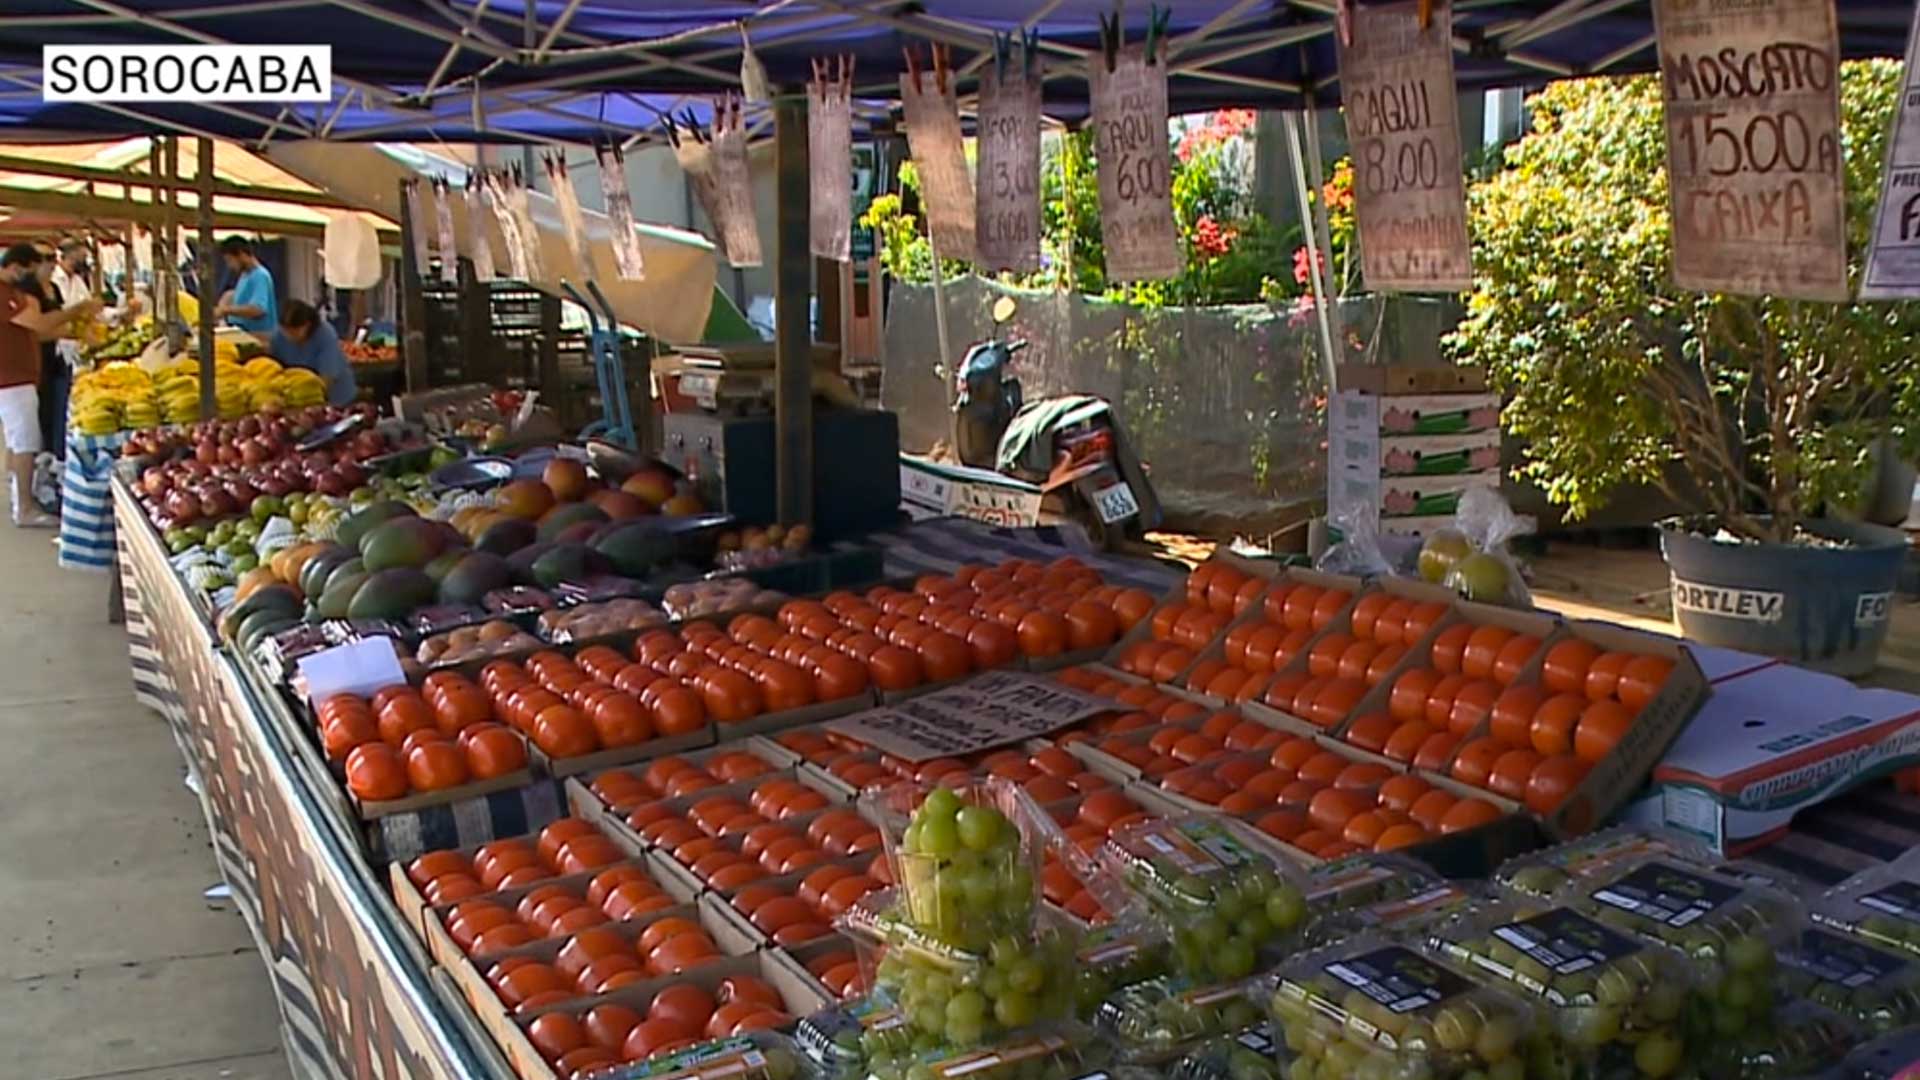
(1063, 458)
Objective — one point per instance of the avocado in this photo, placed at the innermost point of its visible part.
(409, 542)
(566, 562)
(520, 563)
(342, 572)
(443, 563)
(361, 521)
(341, 589)
(278, 598)
(636, 549)
(313, 575)
(503, 538)
(259, 624)
(476, 575)
(561, 518)
(391, 594)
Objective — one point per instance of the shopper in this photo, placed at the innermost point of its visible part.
(57, 357)
(249, 305)
(24, 324)
(306, 340)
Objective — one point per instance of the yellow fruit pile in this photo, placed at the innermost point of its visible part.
(123, 397)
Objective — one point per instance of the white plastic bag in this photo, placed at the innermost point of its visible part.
(1487, 572)
(1358, 551)
(350, 252)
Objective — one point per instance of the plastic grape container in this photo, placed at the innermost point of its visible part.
(1160, 1019)
(1338, 892)
(1545, 874)
(957, 997)
(839, 1040)
(1116, 955)
(1877, 988)
(1245, 1055)
(1796, 1041)
(966, 859)
(763, 1055)
(1890, 1057)
(1730, 931)
(1881, 904)
(1372, 1009)
(1615, 1003)
(1222, 895)
(1062, 1053)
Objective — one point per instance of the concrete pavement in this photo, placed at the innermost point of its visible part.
(111, 963)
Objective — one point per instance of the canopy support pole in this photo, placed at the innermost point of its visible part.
(1308, 215)
(209, 280)
(792, 296)
(946, 368)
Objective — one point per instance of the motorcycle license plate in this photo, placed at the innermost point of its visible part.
(1115, 502)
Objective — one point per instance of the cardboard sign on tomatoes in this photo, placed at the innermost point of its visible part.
(998, 708)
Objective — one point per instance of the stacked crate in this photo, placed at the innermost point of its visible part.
(1407, 442)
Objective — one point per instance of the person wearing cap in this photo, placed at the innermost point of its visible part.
(304, 340)
(24, 324)
(249, 305)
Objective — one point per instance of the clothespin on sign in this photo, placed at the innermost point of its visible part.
(942, 63)
(1110, 38)
(1343, 20)
(819, 85)
(1157, 20)
(1002, 51)
(1426, 13)
(668, 128)
(1029, 46)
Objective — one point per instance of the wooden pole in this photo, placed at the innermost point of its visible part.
(792, 294)
(209, 279)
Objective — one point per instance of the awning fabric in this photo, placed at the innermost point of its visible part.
(407, 70)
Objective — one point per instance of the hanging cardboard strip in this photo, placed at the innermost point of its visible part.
(1754, 169)
(498, 199)
(1136, 166)
(1007, 191)
(1403, 124)
(1893, 252)
(479, 240)
(443, 228)
(419, 227)
(572, 222)
(518, 195)
(939, 152)
(733, 186)
(627, 261)
(830, 157)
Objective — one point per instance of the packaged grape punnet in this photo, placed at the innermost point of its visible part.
(1880, 903)
(1370, 1007)
(763, 1055)
(1794, 1041)
(955, 996)
(1544, 874)
(1222, 893)
(1114, 956)
(1615, 1003)
(840, 1039)
(1877, 988)
(966, 860)
(1160, 1019)
(1889, 1057)
(1728, 930)
(1244, 1055)
(1059, 1052)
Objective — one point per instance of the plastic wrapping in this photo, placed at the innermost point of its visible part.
(1472, 558)
(589, 620)
(1221, 894)
(966, 860)
(1794, 1041)
(1876, 988)
(494, 637)
(1244, 1055)
(763, 1055)
(1160, 1019)
(1890, 1057)
(1371, 1007)
(1061, 1052)
(1547, 873)
(694, 599)
(1337, 891)
(1116, 955)
(1880, 903)
(1615, 1003)
(1358, 551)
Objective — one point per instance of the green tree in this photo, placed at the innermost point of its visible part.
(1760, 411)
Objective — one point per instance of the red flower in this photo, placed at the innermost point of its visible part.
(1302, 270)
(1210, 239)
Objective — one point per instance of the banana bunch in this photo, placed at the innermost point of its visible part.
(113, 398)
(298, 388)
(120, 397)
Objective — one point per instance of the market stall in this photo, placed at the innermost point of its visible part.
(556, 777)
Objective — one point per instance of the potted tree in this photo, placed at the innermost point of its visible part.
(1764, 416)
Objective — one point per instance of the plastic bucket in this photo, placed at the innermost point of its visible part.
(1823, 608)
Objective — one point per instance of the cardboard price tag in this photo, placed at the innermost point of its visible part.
(830, 160)
(1752, 94)
(1403, 122)
(994, 709)
(627, 260)
(933, 134)
(1136, 168)
(1893, 252)
(572, 222)
(443, 229)
(716, 164)
(481, 247)
(1007, 194)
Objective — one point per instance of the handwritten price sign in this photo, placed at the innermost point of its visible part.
(830, 164)
(1753, 146)
(1893, 259)
(1403, 123)
(1136, 168)
(992, 709)
(933, 134)
(1007, 193)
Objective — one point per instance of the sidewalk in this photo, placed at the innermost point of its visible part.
(111, 963)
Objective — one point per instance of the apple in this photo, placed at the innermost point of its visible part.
(184, 508)
(248, 428)
(273, 485)
(241, 492)
(207, 452)
(197, 468)
(330, 482)
(155, 481)
(351, 474)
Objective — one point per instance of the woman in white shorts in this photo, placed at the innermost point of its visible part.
(23, 326)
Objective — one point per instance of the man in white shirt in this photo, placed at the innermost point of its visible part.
(70, 277)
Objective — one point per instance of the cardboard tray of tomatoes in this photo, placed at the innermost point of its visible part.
(587, 804)
(1210, 614)
(459, 754)
(1268, 624)
(800, 995)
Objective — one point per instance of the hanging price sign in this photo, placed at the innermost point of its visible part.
(933, 135)
(443, 227)
(1893, 255)
(572, 221)
(1752, 96)
(830, 159)
(480, 244)
(1007, 192)
(419, 228)
(1403, 124)
(716, 164)
(627, 259)
(1136, 167)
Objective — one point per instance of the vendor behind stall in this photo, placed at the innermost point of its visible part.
(250, 304)
(305, 340)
